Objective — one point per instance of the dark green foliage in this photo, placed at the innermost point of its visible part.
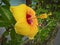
(6, 2)
(6, 16)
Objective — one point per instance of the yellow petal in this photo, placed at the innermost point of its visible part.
(22, 28)
(18, 11)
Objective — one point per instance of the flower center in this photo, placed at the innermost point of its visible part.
(28, 17)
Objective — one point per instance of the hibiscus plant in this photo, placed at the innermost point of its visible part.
(33, 23)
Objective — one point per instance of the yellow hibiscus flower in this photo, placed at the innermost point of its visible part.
(25, 24)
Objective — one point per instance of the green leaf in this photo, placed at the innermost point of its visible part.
(6, 16)
(6, 2)
(3, 23)
(15, 38)
(6, 33)
(44, 34)
(9, 14)
(13, 34)
(56, 15)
